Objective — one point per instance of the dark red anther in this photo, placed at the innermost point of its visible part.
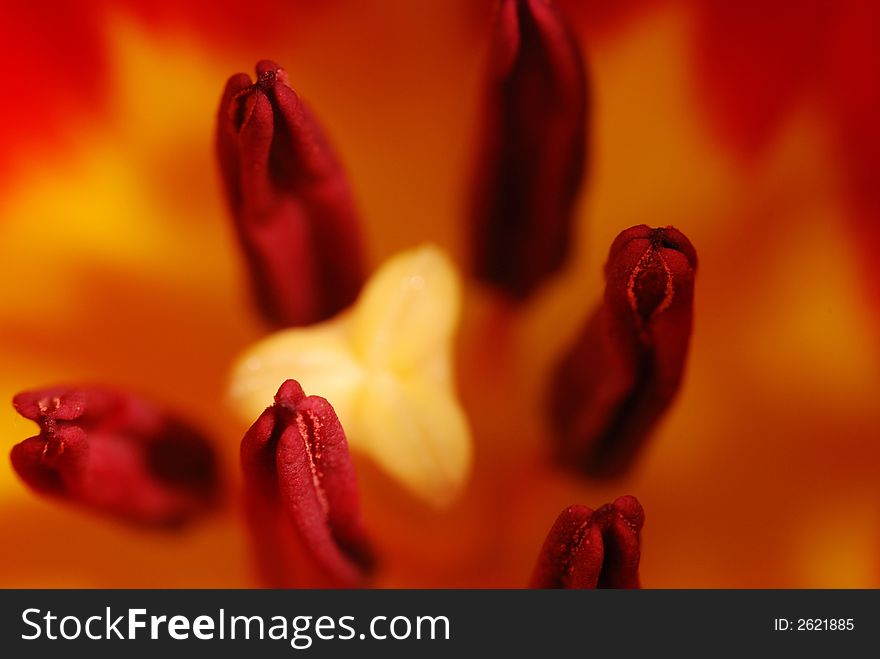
(301, 495)
(624, 370)
(291, 201)
(115, 453)
(533, 144)
(593, 548)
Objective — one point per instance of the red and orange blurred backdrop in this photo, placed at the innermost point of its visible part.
(754, 128)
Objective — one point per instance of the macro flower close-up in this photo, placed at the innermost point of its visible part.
(442, 294)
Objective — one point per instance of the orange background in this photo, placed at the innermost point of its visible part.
(119, 266)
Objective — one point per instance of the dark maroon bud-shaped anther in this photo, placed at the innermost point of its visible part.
(624, 370)
(291, 201)
(302, 496)
(593, 548)
(532, 149)
(115, 454)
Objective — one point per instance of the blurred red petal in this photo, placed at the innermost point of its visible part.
(755, 61)
(52, 53)
(854, 98)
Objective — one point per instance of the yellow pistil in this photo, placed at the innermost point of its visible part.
(385, 365)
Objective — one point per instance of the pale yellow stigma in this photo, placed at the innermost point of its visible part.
(386, 367)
